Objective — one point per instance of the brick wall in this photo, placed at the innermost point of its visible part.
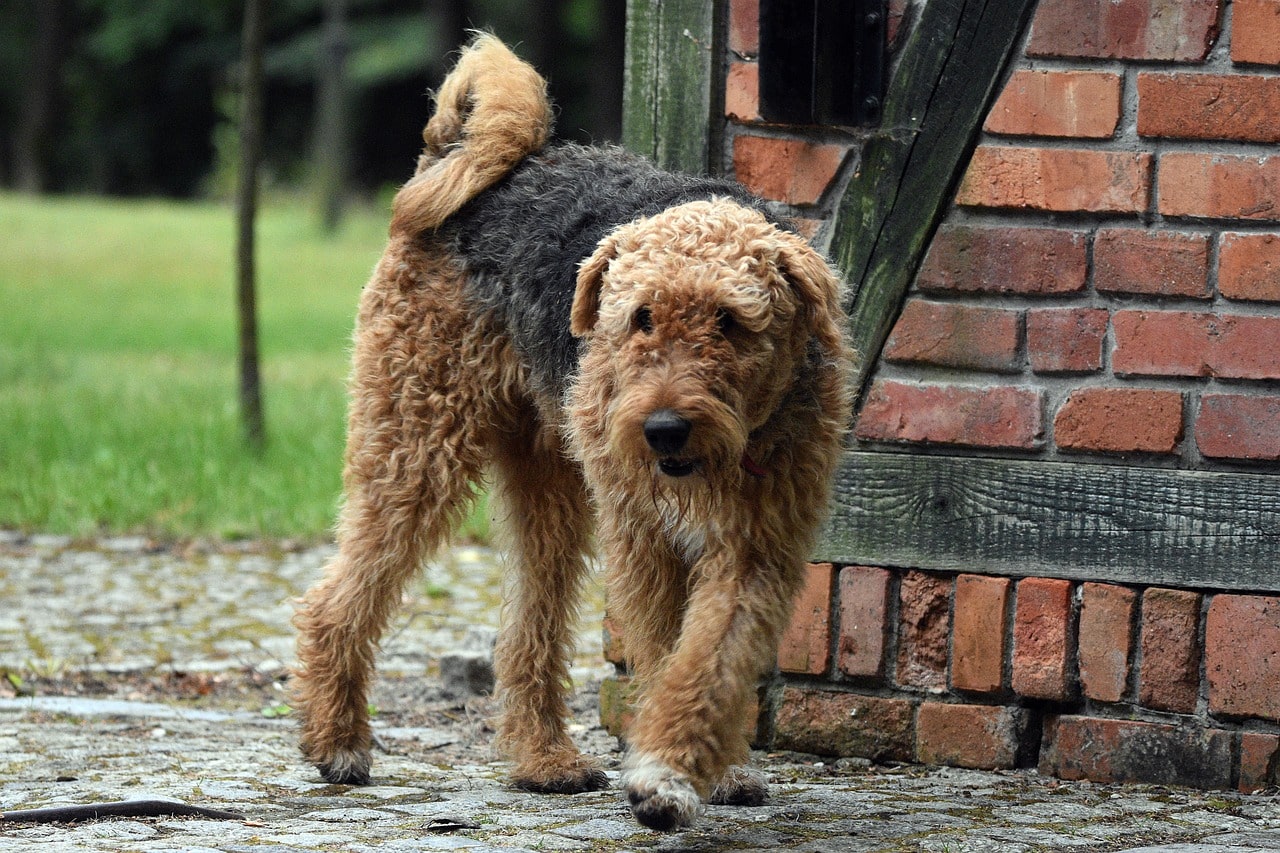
(1105, 288)
(1083, 680)
(1113, 246)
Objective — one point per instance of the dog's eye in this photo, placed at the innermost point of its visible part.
(725, 321)
(642, 320)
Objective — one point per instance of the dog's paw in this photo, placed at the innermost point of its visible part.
(740, 786)
(347, 767)
(583, 775)
(660, 798)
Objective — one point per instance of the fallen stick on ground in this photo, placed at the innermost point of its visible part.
(123, 808)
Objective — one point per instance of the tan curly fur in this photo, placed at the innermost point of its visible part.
(697, 438)
(490, 112)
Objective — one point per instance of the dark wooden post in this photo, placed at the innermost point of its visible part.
(673, 86)
(949, 75)
(246, 213)
(40, 91)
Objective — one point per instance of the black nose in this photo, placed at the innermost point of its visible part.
(666, 432)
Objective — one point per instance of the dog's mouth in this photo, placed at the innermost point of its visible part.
(673, 467)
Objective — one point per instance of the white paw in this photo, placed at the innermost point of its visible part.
(347, 767)
(661, 798)
(741, 786)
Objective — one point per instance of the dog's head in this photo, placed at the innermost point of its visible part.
(697, 322)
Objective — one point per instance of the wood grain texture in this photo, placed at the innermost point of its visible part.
(949, 74)
(670, 84)
(1078, 521)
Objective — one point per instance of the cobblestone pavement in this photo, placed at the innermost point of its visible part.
(156, 674)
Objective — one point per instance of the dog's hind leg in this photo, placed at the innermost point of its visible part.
(415, 446)
(549, 522)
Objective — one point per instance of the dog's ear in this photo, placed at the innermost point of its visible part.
(818, 287)
(586, 296)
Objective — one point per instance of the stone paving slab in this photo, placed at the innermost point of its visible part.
(125, 607)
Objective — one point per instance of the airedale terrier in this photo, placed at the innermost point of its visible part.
(654, 351)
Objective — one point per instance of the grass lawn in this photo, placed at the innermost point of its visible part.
(118, 407)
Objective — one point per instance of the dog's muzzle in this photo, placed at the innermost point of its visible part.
(667, 433)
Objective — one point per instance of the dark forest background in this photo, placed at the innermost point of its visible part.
(138, 97)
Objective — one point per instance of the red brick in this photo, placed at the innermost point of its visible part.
(1154, 263)
(1120, 420)
(742, 91)
(829, 723)
(986, 737)
(1190, 343)
(1242, 655)
(897, 14)
(1041, 627)
(788, 170)
(1106, 640)
(1239, 426)
(997, 416)
(864, 614)
(806, 644)
(1169, 677)
(978, 635)
(1219, 186)
(1245, 347)
(617, 704)
(1106, 750)
(924, 615)
(950, 335)
(1084, 104)
(1162, 343)
(1249, 266)
(1057, 179)
(1255, 32)
(1238, 107)
(615, 650)
(1025, 261)
(744, 26)
(1180, 30)
(1066, 340)
(1258, 754)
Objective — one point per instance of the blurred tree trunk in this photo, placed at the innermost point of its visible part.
(455, 21)
(331, 156)
(32, 129)
(246, 212)
(604, 95)
(546, 37)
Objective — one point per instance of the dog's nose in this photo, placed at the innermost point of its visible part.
(666, 432)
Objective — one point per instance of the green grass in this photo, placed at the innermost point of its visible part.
(118, 406)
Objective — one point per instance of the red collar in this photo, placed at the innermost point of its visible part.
(752, 467)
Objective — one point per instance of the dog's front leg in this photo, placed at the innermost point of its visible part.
(691, 727)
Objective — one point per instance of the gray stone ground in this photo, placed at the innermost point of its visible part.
(133, 672)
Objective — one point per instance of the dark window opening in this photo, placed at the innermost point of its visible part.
(822, 61)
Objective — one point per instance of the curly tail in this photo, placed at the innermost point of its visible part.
(491, 111)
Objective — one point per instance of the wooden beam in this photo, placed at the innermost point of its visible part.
(947, 78)
(1146, 526)
(671, 82)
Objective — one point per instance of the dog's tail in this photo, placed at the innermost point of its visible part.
(491, 111)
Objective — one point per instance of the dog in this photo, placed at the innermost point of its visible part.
(650, 355)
